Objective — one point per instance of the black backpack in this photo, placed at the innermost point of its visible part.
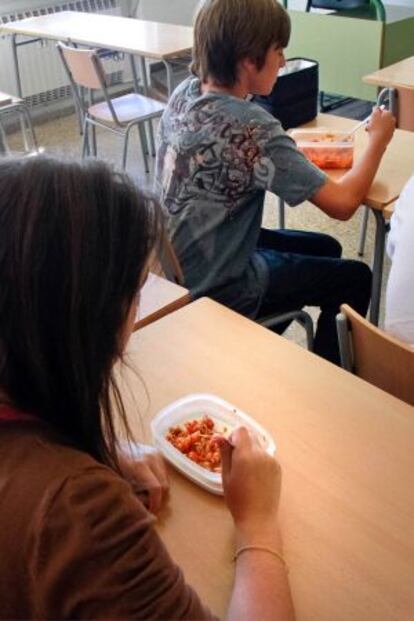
(294, 97)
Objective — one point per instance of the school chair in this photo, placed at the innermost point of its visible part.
(10, 105)
(374, 355)
(159, 297)
(373, 9)
(118, 115)
(173, 271)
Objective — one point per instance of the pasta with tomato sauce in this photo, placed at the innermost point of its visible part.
(195, 439)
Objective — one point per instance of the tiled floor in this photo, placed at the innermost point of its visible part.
(61, 137)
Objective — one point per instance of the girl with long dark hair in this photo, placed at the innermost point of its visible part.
(76, 541)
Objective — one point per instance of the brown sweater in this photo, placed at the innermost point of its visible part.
(75, 542)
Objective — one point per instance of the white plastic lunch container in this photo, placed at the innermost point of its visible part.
(195, 406)
(325, 147)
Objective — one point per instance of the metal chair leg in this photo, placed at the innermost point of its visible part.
(79, 111)
(31, 130)
(377, 265)
(85, 138)
(281, 213)
(4, 145)
(143, 142)
(151, 135)
(307, 324)
(301, 316)
(125, 149)
(363, 231)
(143, 137)
(344, 342)
(94, 143)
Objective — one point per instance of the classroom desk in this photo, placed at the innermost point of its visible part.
(159, 297)
(345, 447)
(388, 211)
(396, 168)
(397, 82)
(145, 39)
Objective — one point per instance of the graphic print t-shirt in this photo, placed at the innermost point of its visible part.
(217, 156)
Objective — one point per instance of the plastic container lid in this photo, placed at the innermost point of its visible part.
(326, 147)
(323, 137)
(195, 406)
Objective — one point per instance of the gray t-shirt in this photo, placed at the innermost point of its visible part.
(218, 154)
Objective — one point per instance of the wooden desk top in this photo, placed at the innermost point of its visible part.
(347, 508)
(388, 211)
(159, 297)
(399, 74)
(136, 36)
(396, 167)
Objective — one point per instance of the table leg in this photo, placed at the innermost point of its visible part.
(170, 82)
(4, 147)
(363, 231)
(134, 73)
(16, 66)
(377, 266)
(145, 88)
(23, 128)
(30, 129)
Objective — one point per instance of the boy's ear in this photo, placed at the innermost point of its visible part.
(246, 66)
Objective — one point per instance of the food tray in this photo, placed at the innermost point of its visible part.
(195, 406)
(326, 148)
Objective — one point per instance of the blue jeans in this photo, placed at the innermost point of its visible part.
(306, 269)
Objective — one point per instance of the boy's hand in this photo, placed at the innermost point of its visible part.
(381, 127)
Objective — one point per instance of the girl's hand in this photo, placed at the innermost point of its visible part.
(251, 481)
(144, 467)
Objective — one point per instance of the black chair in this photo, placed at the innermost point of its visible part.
(171, 267)
(369, 9)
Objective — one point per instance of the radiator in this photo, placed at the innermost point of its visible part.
(43, 77)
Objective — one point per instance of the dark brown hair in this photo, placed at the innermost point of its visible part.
(74, 242)
(228, 31)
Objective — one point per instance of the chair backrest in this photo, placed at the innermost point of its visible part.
(169, 262)
(85, 69)
(375, 356)
(83, 65)
(372, 8)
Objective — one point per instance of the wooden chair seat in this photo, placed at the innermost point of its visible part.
(128, 108)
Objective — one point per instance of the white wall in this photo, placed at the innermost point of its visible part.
(169, 11)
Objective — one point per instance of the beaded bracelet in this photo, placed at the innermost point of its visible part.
(275, 553)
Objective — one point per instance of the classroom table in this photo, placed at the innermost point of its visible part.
(397, 81)
(144, 39)
(389, 211)
(159, 297)
(345, 447)
(395, 170)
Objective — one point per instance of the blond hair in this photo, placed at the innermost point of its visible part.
(228, 31)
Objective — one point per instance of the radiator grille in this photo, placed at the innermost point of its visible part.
(89, 6)
(43, 77)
